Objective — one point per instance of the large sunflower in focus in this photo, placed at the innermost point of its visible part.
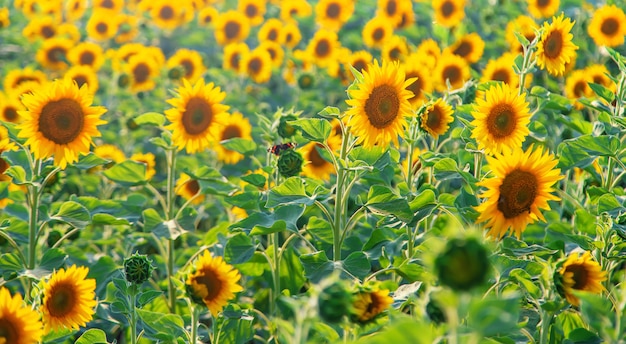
(449, 13)
(437, 117)
(608, 26)
(213, 282)
(60, 121)
(580, 272)
(69, 299)
(196, 116)
(19, 324)
(380, 104)
(500, 119)
(555, 47)
(543, 8)
(235, 125)
(521, 187)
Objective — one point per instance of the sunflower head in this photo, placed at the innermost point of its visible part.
(18, 323)
(369, 303)
(608, 26)
(463, 264)
(137, 268)
(449, 13)
(555, 47)
(290, 163)
(543, 8)
(581, 273)
(189, 188)
(436, 118)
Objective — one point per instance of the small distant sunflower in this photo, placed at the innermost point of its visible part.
(231, 27)
(166, 15)
(111, 5)
(555, 47)
(470, 47)
(290, 35)
(5, 145)
(392, 10)
(188, 188)
(277, 54)
(207, 15)
(149, 160)
(323, 47)
(599, 74)
(44, 27)
(4, 18)
(332, 14)
(74, 9)
(449, 13)
(190, 61)
(520, 187)
(121, 56)
(437, 117)
(9, 109)
(257, 64)
(234, 125)
(524, 25)
(359, 60)
(127, 28)
(254, 10)
(196, 116)
(84, 75)
(501, 69)
(60, 121)
(102, 25)
(500, 119)
(25, 88)
(19, 324)
(422, 84)
(315, 166)
(271, 30)
(142, 71)
(53, 53)
(213, 282)
(109, 152)
(376, 32)
(430, 51)
(68, 299)
(86, 54)
(407, 16)
(582, 273)
(368, 304)
(608, 26)
(233, 54)
(395, 48)
(289, 10)
(380, 104)
(543, 8)
(452, 68)
(576, 86)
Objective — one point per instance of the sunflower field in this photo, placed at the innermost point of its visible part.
(324, 171)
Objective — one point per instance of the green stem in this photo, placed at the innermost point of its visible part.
(276, 275)
(171, 198)
(195, 315)
(546, 319)
(338, 227)
(133, 314)
(609, 175)
(33, 219)
(478, 160)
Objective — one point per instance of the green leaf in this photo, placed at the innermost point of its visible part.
(127, 173)
(107, 219)
(330, 112)
(52, 259)
(151, 219)
(239, 249)
(88, 161)
(73, 213)
(357, 264)
(525, 280)
(571, 156)
(583, 336)
(602, 92)
(245, 200)
(164, 327)
(603, 145)
(10, 266)
(382, 201)
(492, 316)
(92, 336)
(151, 118)
(17, 174)
(255, 179)
(446, 168)
(314, 129)
(316, 265)
(320, 229)
(148, 296)
(291, 191)
(240, 145)
(169, 230)
(283, 218)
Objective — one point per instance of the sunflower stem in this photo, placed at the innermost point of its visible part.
(546, 320)
(171, 182)
(339, 206)
(609, 175)
(133, 313)
(195, 315)
(276, 275)
(33, 216)
(478, 160)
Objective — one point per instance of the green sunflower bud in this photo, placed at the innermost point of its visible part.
(335, 302)
(176, 73)
(463, 265)
(137, 268)
(285, 130)
(123, 81)
(306, 81)
(290, 163)
(435, 313)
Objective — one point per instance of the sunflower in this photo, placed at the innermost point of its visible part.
(149, 160)
(234, 125)
(277, 54)
(40, 28)
(53, 53)
(231, 27)
(395, 48)
(74, 9)
(392, 10)
(470, 47)
(127, 28)
(5, 145)
(271, 30)
(407, 15)
(324, 47)
(190, 61)
(18, 323)
(380, 104)
(111, 5)
(207, 15)
(86, 54)
(521, 186)
(451, 68)
(197, 114)
(121, 56)
(68, 299)
(576, 86)
(437, 117)
(430, 51)
(501, 69)
(500, 119)
(187, 188)
(167, 15)
(233, 53)
(543, 8)
(5, 20)
(290, 35)
(449, 13)
(315, 166)
(257, 64)
(254, 10)
(25, 88)
(416, 67)
(84, 75)
(524, 25)
(376, 32)
(9, 109)
(60, 121)
(294, 8)
(608, 26)
(599, 74)
(332, 14)
(581, 272)
(213, 282)
(368, 305)
(555, 46)
(102, 25)
(415, 162)
(109, 152)
(142, 70)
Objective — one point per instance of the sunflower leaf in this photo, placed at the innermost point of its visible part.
(240, 145)
(73, 213)
(164, 327)
(314, 129)
(239, 249)
(357, 264)
(127, 173)
(152, 118)
(316, 265)
(88, 161)
(602, 91)
(92, 336)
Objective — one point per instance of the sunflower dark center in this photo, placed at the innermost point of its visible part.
(255, 65)
(315, 157)
(581, 276)
(251, 10)
(192, 186)
(609, 26)
(553, 44)
(288, 38)
(598, 80)
(87, 58)
(395, 53)
(56, 54)
(211, 282)
(62, 300)
(230, 132)
(579, 89)
(517, 193)
(107, 4)
(61, 121)
(391, 8)
(272, 53)
(273, 35)
(464, 49)
(231, 29)
(378, 34)
(22, 79)
(416, 86)
(447, 8)
(207, 19)
(234, 60)
(501, 75)
(80, 80)
(166, 12)
(188, 65)
(435, 119)
(333, 10)
(141, 72)
(322, 48)
(359, 65)
(382, 106)
(10, 114)
(47, 31)
(9, 332)
(501, 120)
(198, 116)
(543, 3)
(452, 73)
(101, 28)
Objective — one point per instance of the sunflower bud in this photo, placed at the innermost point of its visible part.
(137, 268)
(306, 81)
(285, 130)
(290, 163)
(123, 81)
(176, 73)
(463, 264)
(435, 313)
(335, 302)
